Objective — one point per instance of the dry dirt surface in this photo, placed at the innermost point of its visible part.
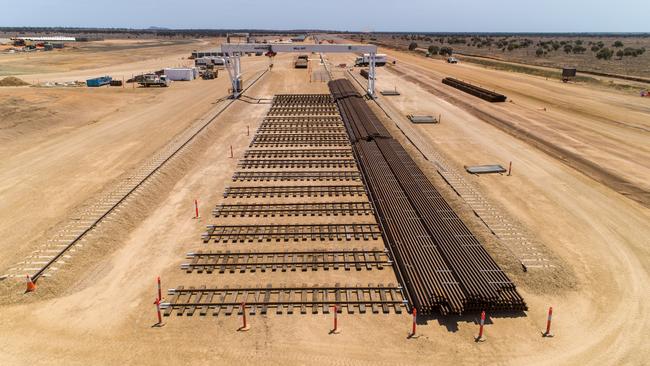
(101, 311)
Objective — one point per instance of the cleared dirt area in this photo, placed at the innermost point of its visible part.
(99, 310)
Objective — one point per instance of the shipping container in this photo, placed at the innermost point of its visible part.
(100, 81)
(180, 74)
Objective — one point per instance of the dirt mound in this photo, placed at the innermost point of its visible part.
(12, 81)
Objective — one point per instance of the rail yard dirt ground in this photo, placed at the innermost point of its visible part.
(98, 308)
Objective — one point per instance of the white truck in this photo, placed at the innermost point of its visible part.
(148, 80)
(380, 60)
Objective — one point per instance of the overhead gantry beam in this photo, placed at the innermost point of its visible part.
(233, 51)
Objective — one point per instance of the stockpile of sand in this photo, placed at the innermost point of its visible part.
(12, 81)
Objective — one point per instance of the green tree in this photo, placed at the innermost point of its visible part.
(618, 44)
(620, 54)
(604, 54)
(568, 48)
(446, 51)
(539, 52)
(433, 50)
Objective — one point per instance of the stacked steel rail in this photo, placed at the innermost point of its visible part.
(441, 264)
(476, 91)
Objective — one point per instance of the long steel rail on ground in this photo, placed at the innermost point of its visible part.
(137, 185)
(442, 265)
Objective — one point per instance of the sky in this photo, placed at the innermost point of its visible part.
(342, 15)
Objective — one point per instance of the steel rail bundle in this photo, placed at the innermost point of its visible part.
(476, 91)
(298, 153)
(360, 121)
(232, 262)
(296, 163)
(293, 209)
(226, 300)
(261, 233)
(295, 191)
(320, 175)
(442, 265)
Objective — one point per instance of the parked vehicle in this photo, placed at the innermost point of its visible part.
(380, 60)
(452, 60)
(148, 80)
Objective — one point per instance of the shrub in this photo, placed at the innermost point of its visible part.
(618, 44)
(579, 49)
(539, 52)
(413, 46)
(446, 51)
(604, 54)
(620, 54)
(568, 48)
(433, 49)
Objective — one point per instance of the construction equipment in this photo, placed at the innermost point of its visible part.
(154, 80)
(208, 75)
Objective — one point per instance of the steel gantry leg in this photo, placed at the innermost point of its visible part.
(234, 71)
(371, 75)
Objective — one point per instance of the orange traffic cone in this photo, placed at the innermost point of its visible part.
(31, 286)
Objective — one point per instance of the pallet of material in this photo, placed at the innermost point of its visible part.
(390, 93)
(485, 169)
(364, 73)
(476, 91)
(421, 119)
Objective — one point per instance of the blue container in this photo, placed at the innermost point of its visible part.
(96, 82)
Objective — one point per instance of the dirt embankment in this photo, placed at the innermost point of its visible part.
(12, 81)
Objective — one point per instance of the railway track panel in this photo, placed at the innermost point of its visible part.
(303, 299)
(295, 191)
(285, 261)
(299, 153)
(286, 233)
(293, 209)
(322, 175)
(296, 163)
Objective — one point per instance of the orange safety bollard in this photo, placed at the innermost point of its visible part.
(415, 316)
(159, 290)
(480, 337)
(248, 130)
(245, 325)
(336, 323)
(231, 155)
(510, 168)
(160, 323)
(196, 209)
(31, 286)
(548, 323)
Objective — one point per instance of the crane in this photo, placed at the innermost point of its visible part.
(232, 53)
